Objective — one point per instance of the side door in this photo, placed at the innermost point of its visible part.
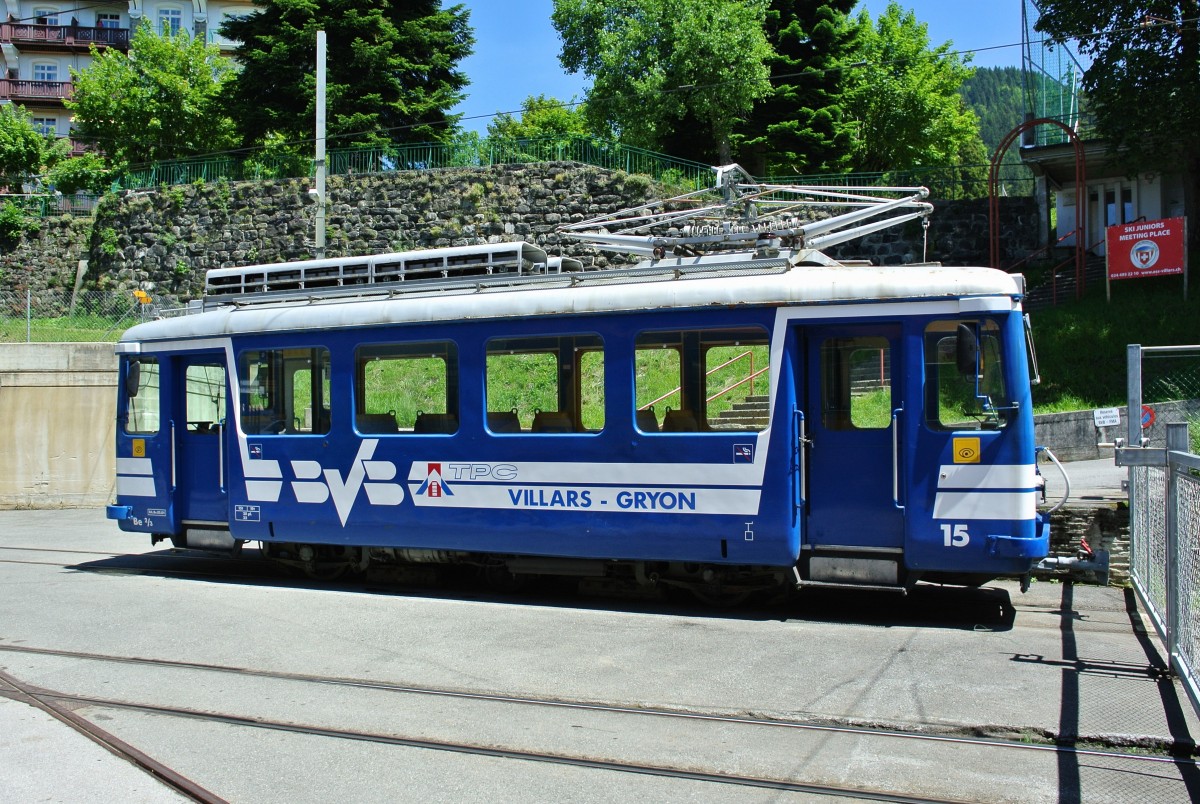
(853, 403)
(198, 417)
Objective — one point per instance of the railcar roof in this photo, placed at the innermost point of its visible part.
(786, 285)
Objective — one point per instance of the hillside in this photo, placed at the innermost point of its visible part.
(994, 93)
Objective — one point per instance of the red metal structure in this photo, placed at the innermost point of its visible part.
(1080, 197)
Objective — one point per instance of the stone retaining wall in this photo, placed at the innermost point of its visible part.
(163, 241)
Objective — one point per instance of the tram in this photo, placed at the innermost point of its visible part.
(738, 411)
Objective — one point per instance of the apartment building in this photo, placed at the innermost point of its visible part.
(41, 41)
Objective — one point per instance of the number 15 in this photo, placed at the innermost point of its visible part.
(955, 535)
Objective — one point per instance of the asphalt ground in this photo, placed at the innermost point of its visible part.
(262, 687)
(1090, 482)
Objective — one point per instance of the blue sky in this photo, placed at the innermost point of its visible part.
(516, 47)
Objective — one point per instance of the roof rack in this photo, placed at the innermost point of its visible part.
(741, 214)
(386, 273)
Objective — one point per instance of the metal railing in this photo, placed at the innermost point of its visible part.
(59, 316)
(1164, 503)
(427, 156)
(944, 182)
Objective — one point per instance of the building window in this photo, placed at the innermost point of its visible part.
(45, 16)
(107, 20)
(170, 20)
(45, 72)
(45, 125)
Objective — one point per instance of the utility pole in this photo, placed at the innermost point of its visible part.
(319, 238)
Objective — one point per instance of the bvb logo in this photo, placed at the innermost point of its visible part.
(966, 450)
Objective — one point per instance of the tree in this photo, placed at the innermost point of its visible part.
(88, 172)
(392, 71)
(801, 126)
(23, 149)
(674, 75)
(158, 102)
(540, 117)
(1143, 86)
(905, 97)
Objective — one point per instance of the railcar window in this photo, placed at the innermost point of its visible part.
(406, 388)
(957, 400)
(205, 389)
(856, 383)
(285, 391)
(545, 384)
(142, 397)
(702, 380)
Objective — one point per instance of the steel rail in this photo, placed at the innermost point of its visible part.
(591, 706)
(460, 747)
(47, 703)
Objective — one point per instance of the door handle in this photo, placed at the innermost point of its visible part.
(221, 455)
(896, 458)
(801, 457)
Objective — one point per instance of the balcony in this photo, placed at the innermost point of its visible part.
(58, 37)
(26, 91)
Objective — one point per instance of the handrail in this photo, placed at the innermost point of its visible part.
(1034, 253)
(753, 374)
(743, 381)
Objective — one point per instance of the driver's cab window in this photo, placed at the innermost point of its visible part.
(141, 396)
(964, 376)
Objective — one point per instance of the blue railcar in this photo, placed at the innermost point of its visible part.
(716, 422)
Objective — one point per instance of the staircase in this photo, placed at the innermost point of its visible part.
(1042, 296)
(751, 414)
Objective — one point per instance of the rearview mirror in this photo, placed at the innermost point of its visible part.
(133, 378)
(966, 350)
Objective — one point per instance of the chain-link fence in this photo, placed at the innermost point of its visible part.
(1164, 498)
(60, 315)
(1171, 391)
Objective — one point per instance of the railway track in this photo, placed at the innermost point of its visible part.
(463, 716)
(11, 688)
(651, 719)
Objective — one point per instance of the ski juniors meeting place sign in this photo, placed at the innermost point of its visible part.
(1145, 248)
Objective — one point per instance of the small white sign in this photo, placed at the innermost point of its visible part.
(1107, 417)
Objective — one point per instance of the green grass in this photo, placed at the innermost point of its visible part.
(1082, 344)
(77, 329)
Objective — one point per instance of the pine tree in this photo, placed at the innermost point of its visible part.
(800, 127)
(392, 71)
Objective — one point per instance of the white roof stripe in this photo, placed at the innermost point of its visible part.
(801, 285)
